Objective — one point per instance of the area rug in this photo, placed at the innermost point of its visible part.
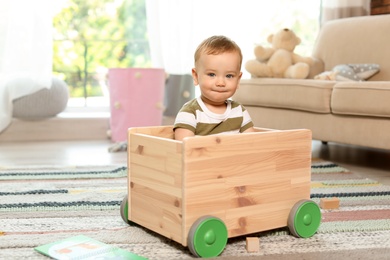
(39, 205)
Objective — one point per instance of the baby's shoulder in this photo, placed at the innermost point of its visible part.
(190, 106)
(233, 103)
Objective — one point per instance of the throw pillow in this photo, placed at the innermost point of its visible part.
(355, 72)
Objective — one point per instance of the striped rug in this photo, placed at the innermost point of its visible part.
(40, 204)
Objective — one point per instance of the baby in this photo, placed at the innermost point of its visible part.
(217, 72)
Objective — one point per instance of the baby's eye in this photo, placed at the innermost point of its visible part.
(229, 76)
(211, 74)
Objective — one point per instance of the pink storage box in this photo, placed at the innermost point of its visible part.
(136, 99)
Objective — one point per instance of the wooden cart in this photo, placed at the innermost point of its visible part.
(203, 190)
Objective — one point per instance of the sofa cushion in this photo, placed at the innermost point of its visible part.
(306, 94)
(361, 99)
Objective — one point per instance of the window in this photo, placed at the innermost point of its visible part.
(92, 36)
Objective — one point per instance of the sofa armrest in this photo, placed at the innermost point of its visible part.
(316, 68)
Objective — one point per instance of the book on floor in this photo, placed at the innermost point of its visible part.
(84, 247)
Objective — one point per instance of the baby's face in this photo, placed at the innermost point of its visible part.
(218, 76)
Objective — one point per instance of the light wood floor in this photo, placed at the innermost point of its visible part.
(370, 163)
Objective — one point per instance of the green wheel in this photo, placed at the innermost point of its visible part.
(124, 209)
(304, 219)
(207, 237)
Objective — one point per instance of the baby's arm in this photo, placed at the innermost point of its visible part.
(181, 133)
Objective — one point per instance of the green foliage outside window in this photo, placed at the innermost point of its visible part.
(91, 36)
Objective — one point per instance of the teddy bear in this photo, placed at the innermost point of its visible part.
(327, 75)
(279, 61)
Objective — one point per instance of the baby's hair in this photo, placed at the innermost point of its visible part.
(216, 45)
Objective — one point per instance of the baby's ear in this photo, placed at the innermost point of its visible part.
(239, 78)
(194, 76)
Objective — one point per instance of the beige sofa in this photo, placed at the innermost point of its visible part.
(349, 112)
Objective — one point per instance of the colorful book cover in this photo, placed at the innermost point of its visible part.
(83, 247)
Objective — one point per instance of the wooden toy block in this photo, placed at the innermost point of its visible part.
(252, 244)
(330, 203)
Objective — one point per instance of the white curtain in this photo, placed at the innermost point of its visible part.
(25, 51)
(165, 45)
(336, 9)
(176, 27)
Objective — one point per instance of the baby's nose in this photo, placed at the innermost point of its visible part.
(221, 81)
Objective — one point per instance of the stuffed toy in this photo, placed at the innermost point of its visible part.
(279, 61)
(327, 75)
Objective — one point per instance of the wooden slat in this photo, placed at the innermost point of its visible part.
(375, 3)
(156, 216)
(157, 131)
(259, 218)
(155, 180)
(253, 176)
(380, 10)
(229, 199)
(380, 7)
